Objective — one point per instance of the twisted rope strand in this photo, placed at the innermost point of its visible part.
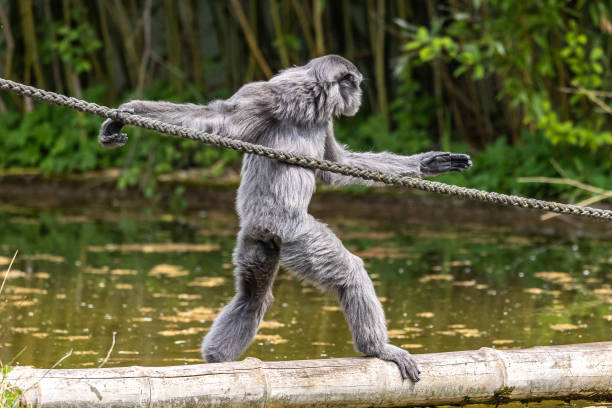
(300, 160)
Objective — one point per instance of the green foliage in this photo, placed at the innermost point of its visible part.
(506, 64)
(50, 138)
(533, 49)
(498, 166)
(10, 397)
(56, 140)
(411, 114)
(75, 43)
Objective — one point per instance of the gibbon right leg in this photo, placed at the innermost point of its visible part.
(256, 259)
(317, 255)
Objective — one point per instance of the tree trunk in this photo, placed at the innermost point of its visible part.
(580, 371)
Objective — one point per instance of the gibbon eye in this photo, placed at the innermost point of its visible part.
(347, 80)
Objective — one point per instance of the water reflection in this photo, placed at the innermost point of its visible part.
(159, 281)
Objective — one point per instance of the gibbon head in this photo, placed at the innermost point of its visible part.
(327, 86)
(341, 81)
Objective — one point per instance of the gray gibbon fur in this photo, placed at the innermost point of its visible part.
(293, 111)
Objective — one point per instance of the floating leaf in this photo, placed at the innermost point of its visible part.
(464, 283)
(73, 338)
(186, 296)
(122, 272)
(44, 257)
(24, 329)
(470, 332)
(411, 346)
(534, 291)
(564, 327)
(142, 319)
(271, 338)
(192, 315)
(208, 281)
(25, 291)
(270, 324)
(182, 332)
(436, 277)
(155, 247)
(171, 271)
(556, 277)
(97, 271)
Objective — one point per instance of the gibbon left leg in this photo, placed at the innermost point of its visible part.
(317, 255)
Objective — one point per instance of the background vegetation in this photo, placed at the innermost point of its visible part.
(523, 86)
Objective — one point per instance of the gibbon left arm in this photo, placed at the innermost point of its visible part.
(417, 165)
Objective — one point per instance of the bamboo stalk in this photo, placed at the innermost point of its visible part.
(437, 78)
(301, 14)
(580, 371)
(252, 67)
(278, 30)
(10, 47)
(31, 45)
(121, 22)
(10, 42)
(250, 37)
(377, 34)
(349, 39)
(107, 44)
(317, 23)
(146, 53)
(188, 11)
(173, 44)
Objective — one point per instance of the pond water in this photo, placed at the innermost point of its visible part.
(157, 280)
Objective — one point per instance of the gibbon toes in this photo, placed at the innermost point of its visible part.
(442, 162)
(404, 361)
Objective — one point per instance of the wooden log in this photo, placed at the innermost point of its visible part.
(581, 371)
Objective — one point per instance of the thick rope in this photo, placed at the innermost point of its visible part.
(300, 160)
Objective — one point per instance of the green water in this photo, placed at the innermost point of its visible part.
(82, 275)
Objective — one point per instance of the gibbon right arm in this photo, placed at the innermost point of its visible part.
(243, 116)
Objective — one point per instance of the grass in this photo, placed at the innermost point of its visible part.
(10, 396)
